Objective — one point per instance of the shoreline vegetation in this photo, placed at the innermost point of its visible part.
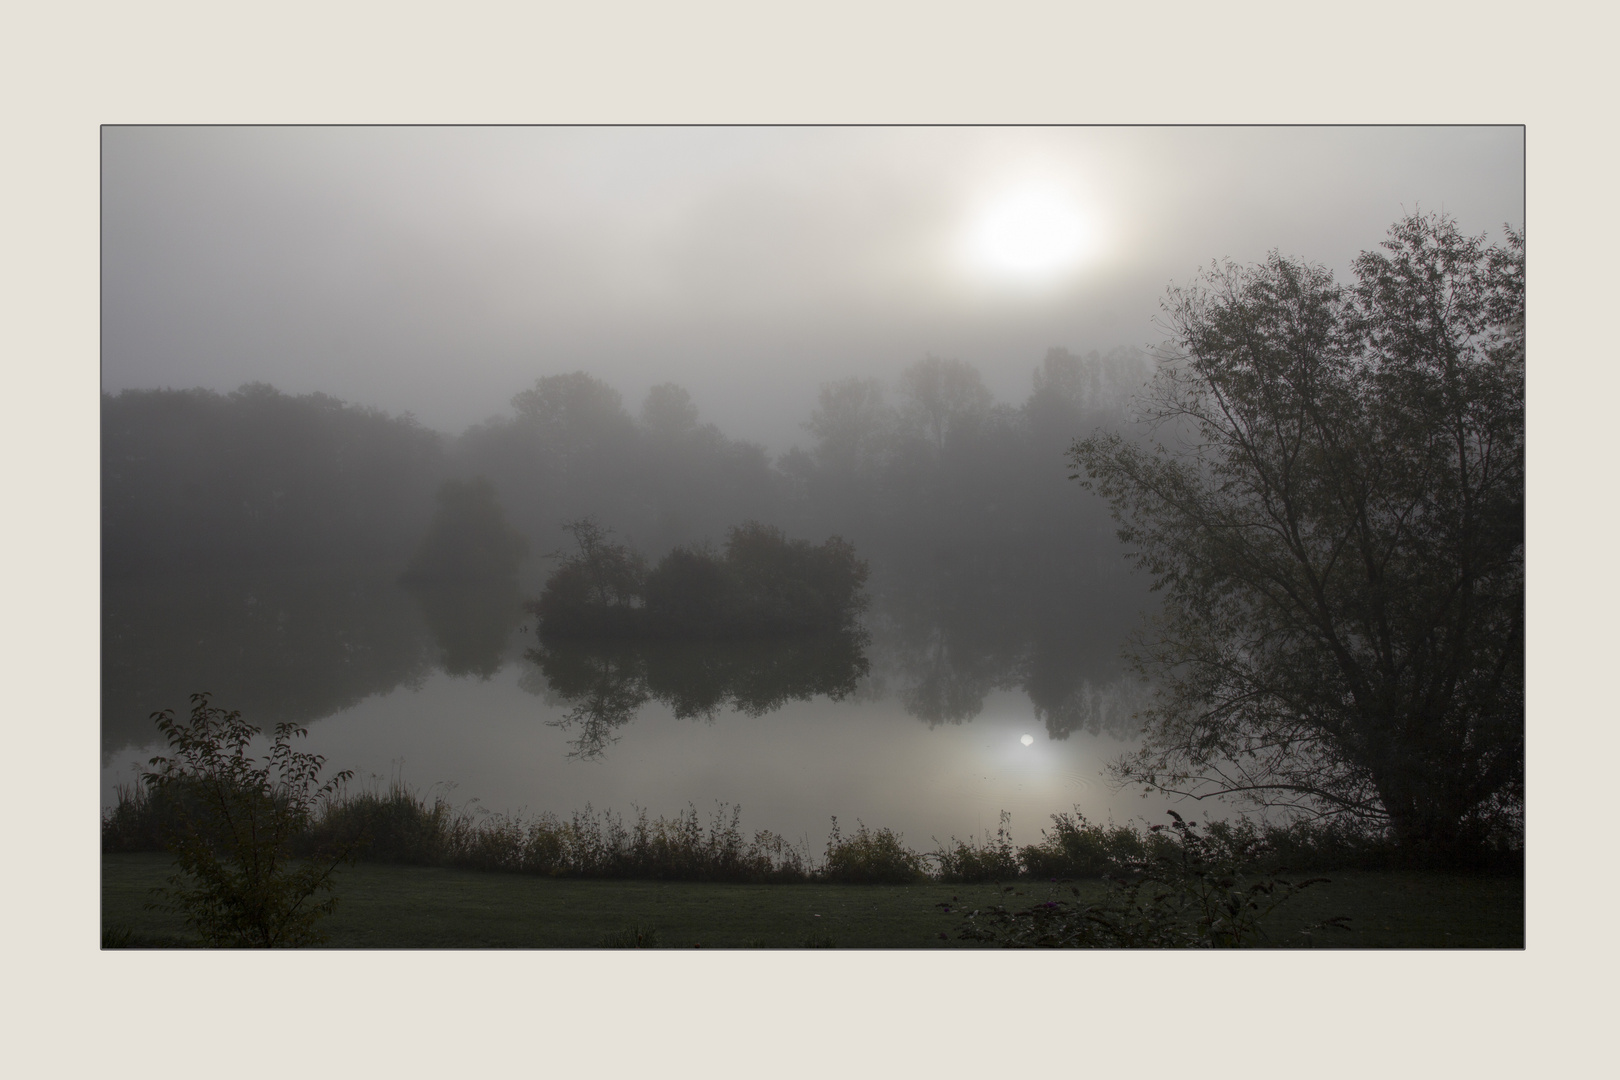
(395, 824)
(430, 874)
(253, 853)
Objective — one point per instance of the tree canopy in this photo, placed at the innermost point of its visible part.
(763, 583)
(1334, 516)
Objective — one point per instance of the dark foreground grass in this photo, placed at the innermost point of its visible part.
(411, 907)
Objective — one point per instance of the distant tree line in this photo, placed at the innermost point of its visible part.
(250, 535)
(257, 481)
(930, 474)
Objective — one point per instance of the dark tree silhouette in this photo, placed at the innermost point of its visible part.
(1337, 529)
(596, 591)
(764, 583)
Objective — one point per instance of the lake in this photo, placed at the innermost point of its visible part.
(932, 721)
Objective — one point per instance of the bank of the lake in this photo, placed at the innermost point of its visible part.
(397, 907)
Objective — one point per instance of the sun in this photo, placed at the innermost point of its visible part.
(1029, 233)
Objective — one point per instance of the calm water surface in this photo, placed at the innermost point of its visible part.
(919, 726)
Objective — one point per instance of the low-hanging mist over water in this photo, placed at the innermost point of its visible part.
(361, 386)
(311, 561)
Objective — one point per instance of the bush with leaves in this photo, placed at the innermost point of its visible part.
(1197, 891)
(870, 857)
(233, 829)
(992, 859)
(1075, 847)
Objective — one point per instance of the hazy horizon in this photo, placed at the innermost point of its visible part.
(439, 271)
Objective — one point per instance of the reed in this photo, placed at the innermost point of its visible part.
(393, 823)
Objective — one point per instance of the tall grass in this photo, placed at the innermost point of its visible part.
(992, 859)
(602, 845)
(400, 825)
(136, 822)
(395, 824)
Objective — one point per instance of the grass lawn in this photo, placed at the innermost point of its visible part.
(396, 907)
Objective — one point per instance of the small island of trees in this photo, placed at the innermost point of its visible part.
(760, 583)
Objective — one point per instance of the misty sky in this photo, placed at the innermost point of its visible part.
(440, 270)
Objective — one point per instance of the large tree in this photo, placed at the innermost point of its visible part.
(1332, 506)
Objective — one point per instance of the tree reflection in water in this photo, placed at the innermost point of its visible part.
(289, 648)
(944, 646)
(606, 683)
(940, 665)
(471, 624)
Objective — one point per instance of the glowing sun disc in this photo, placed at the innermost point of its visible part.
(1028, 740)
(1029, 233)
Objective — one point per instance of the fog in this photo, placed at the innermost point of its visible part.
(439, 271)
(358, 381)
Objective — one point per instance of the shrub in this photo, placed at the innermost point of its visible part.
(993, 860)
(1326, 845)
(870, 857)
(1075, 847)
(231, 825)
(1189, 891)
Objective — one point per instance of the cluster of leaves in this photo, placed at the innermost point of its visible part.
(1196, 891)
(234, 823)
(870, 857)
(762, 583)
(1075, 847)
(996, 859)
